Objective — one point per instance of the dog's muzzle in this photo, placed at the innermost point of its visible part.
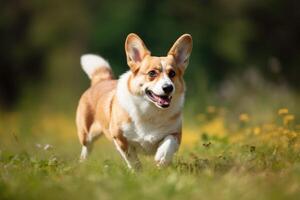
(162, 101)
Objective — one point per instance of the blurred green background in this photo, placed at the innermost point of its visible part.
(245, 56)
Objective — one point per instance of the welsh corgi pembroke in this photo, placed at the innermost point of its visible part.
(141, 112)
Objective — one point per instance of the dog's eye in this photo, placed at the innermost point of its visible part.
(152, 73)
(172, 73)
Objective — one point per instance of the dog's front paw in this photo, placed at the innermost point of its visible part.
(163, 158)
(163, 162)
(165, 151)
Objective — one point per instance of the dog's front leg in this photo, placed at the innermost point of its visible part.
(129, 155)
(166, 150)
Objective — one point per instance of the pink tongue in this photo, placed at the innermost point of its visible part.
(163, 101)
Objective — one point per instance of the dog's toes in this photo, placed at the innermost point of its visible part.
(162, 163)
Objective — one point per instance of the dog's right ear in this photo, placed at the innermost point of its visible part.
(136, 51)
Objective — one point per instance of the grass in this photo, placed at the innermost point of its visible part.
(219, 159)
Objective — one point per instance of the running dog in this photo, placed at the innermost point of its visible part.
(141, 112)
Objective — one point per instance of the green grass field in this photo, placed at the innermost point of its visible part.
(39, 160)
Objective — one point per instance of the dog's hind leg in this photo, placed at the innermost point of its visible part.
(87, 142)
(84, 153)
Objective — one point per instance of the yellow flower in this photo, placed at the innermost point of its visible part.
(214, 127)
(256, 130)
(283, 111)
(244, 117)
(287, 119)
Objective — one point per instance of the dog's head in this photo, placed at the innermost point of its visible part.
(158, 79)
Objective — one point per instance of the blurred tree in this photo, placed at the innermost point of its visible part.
(277, 31)
(21, 60)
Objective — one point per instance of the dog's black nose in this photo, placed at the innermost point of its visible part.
(167, 88)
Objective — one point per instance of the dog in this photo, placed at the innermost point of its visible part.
(141, 112)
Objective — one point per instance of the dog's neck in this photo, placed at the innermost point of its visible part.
(138, 106)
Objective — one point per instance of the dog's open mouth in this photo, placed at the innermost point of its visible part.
(160, 100)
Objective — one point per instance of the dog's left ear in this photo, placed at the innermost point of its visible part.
(135, 50)
(181, 50)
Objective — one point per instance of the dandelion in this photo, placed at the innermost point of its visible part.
(256, 130)
(288, 119)
(244, 117)
(283, 111)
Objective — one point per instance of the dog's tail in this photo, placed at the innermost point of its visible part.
(96, 67)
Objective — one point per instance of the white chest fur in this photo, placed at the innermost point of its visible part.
(146, 134)
(149, 124)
